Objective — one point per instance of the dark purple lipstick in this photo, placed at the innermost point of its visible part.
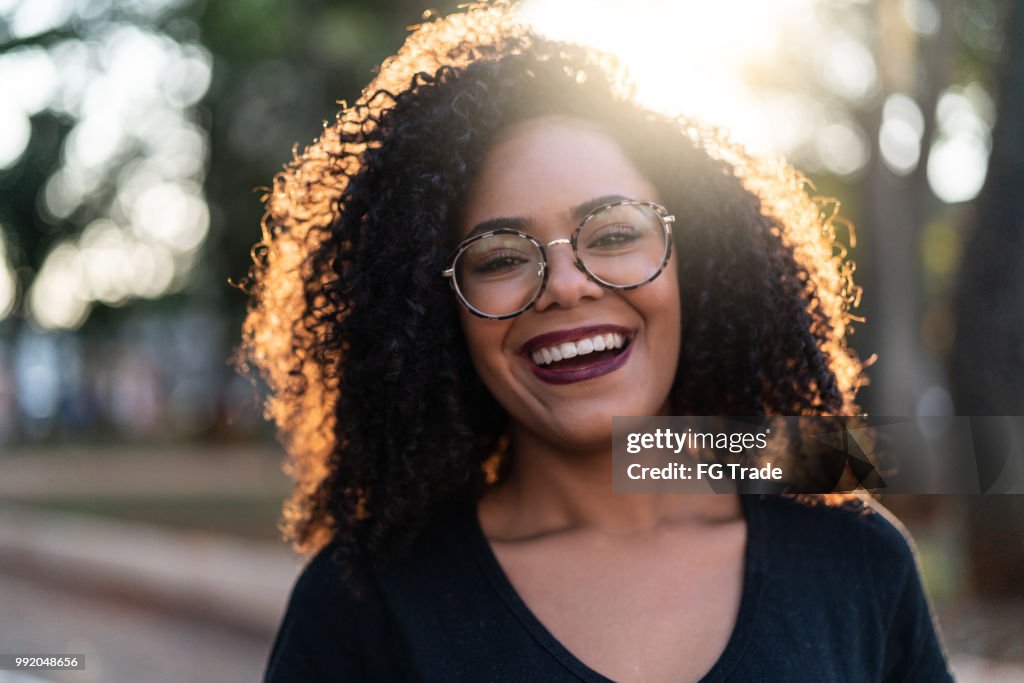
(594, 362)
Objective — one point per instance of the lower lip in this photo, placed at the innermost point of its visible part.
(582, 373)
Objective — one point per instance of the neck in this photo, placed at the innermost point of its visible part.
(549, 489)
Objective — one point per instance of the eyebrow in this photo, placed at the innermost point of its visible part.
(520, 222)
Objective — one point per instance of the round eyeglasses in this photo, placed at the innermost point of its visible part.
(619, 245)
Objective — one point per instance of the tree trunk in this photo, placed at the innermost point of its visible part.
(988, 354)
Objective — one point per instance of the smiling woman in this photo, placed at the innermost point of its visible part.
(548, 171)
(490, 255)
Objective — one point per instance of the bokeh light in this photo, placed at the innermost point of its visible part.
(8, 284)
(30, 78)
(899, 138)
(16, 131)
(130, 92)
(36, 16)
(959, 156)
(848, 69)
(843, 148)
(922, 16)
(56, 298)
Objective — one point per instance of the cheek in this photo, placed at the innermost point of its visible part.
(665, 292)
(664, 314)
(484, 339)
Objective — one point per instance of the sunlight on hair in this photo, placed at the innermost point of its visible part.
(685, 56)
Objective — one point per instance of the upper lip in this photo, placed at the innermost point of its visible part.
(575, 334)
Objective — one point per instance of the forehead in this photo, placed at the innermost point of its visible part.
(540, 168)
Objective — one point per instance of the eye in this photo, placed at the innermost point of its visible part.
(498, 262)
(613, 236)
(499, 256)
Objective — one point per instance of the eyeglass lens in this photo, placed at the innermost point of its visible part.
(620, 246)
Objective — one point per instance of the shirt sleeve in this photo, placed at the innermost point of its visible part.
(318, 636)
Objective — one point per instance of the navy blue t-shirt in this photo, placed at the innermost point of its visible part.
(829, 594)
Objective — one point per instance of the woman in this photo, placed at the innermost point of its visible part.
(460, 283)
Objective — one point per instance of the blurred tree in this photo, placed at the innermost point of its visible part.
(897, 207)
(280, 69)
(155, 120)
(988, 355)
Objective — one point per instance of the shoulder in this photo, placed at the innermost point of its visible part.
(325, 621)
(858, 540)
(859, 519)
(856, 560)
(344, 606)
(322, 581)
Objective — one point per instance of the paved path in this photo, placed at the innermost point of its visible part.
(142, 603)
(216, 577)
(121, 643)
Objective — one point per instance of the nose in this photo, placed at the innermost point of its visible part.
(567, 283)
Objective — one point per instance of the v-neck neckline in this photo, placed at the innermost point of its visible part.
(750, 598)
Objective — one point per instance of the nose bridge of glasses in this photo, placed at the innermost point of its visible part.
(571, 255)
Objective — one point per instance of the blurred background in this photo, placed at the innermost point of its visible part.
(139, 487)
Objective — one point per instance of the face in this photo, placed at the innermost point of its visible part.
(535, 175)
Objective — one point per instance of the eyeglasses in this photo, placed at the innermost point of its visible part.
(620, 245)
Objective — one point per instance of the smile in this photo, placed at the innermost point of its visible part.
(583, 347)
(579, 354)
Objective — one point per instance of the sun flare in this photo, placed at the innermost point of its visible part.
(685, 57)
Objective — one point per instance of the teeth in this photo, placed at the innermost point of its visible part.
(581, 347)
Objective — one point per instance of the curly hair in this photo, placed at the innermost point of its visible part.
(357, 336)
